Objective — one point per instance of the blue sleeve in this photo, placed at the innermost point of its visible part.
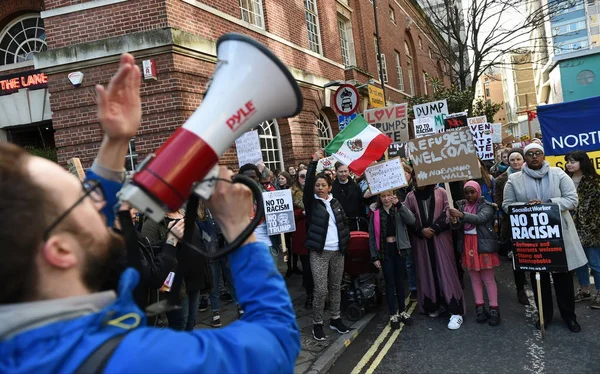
(265, 340)
(111, 188)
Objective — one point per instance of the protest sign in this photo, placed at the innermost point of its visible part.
(436, 109)
(75, 168)
(496, 133)
(326, 163)
(482, 137)
(424, 126)
(391, 120)
(279, 212)
(385, 176)
(537, 238)
(571, 126)
(445, 157)
(397, 150)
(455, 120)
(248, 148)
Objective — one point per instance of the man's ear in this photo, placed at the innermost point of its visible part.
(59, 251)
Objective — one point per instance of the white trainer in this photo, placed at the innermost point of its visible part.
(455, 322)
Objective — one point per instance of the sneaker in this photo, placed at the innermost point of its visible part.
(494, 317)
(596, 303)
(338, 325)
(216, 320)
(203, 306)
(481, 314)
(318, 333)
(455, 322)
(413, 295)
(582, 296)
(522, 297)
(434, 314)
(394, 323)
(240, 312)
(405, 318)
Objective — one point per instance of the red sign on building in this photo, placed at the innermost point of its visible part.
(32, 80)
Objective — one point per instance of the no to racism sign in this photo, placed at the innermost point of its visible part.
(537, 238)
(279, 212)
(445, 157)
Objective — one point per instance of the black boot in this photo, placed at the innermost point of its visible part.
(481, 315)
(494, 316)
(308, 305)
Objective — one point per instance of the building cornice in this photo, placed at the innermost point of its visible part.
(78, 8)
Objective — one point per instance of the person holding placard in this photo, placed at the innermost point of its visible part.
(390, 246)
(327, 238)
(587, 221)
(348, 193)
(516, 161)
(477, 240)
(438, 286)
(539, 183)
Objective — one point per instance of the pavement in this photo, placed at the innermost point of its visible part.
(316, 356)
(515, 346)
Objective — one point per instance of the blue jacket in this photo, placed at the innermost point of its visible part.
(56, 336)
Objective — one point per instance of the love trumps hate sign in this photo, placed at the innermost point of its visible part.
(445, 157)
(392, 121)
(537, 238)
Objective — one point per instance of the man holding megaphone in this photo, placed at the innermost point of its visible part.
(56, 251)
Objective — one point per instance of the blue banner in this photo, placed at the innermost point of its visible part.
(570, 126)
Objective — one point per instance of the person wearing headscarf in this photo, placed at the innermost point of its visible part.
(539, 183)
(474, 221)
(438, 286)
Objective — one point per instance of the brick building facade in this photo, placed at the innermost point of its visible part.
(320, 41)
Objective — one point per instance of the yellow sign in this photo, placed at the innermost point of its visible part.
(376, 98)
(559, 161)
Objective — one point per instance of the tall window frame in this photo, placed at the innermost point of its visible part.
(383, 63)
(22, 38)
(346, 41)
(409, 65)
(425, 89)
(399, 71)
(311, 14)
(270, 144)
(324, 132)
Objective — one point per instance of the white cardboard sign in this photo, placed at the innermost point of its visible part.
(279, 212)
(385, 176)
(496, 133)
(482, 137)
(424, 126)
(392, 121)
(248, 149)
(436, 109)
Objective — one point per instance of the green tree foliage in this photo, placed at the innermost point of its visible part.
(47, 153)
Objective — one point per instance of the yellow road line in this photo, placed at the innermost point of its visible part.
(388, 345)
(367, 357)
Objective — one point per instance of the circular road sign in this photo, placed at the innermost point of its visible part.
(346, 99)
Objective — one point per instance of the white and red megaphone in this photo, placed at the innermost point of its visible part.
(250, 85)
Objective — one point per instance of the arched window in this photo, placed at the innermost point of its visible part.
(409, 65)
(21, 39)
(324, 130)
(270, 144)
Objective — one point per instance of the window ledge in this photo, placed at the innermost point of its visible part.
(18, 65)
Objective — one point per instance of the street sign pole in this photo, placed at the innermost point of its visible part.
(379, 51)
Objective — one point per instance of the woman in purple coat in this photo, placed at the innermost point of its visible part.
(438, 286)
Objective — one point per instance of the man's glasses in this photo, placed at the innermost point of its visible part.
(532, 154)
(91, 188)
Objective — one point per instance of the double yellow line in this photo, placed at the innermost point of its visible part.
(380, 339)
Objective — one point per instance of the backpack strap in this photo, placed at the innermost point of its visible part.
(96, 362)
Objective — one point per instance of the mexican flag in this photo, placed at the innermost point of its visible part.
(358, 145)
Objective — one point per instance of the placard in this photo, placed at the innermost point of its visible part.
(75, 168)
(537, 238)
(482, 137)
(445, 157)
(279, 212)
(326, 163)
(397, 150)
(424, 126)
(496, 133)
(436, 109)
(391, 120)
(376, 98)
(385, 176)
(455, 120)
(248, 148)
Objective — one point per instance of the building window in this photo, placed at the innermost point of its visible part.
(487, 92)
(399, 72)
(420, 43)
(561, 7)
(409, 65)
(566, 48)
(383, 64)
(430, 55)
(425, 83)
(270, 144)
(568, 28)
(252, 12)
(324, 130)
(21, 39)
(586, 77)
(346, 41)
(132, 157)
(392, 15)
(312, 25)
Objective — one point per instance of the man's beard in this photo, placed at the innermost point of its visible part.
(104, 265)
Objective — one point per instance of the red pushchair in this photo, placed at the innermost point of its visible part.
(359, 286)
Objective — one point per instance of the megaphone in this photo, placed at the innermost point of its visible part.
(250, 85)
